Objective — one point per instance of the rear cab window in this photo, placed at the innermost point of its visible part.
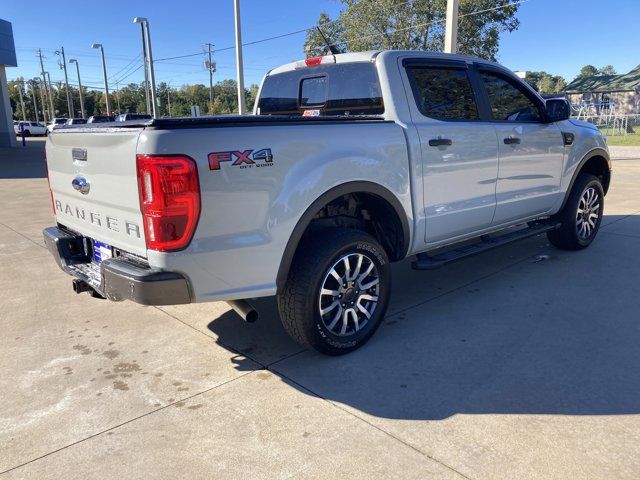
(443, 93)
(324, 90)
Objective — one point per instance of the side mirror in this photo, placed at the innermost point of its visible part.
(557, 109)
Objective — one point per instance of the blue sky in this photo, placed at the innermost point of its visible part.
(558, 36)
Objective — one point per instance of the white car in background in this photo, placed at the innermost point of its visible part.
(30, 128)
(54, 123)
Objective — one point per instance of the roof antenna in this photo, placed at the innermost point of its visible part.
(332, 48)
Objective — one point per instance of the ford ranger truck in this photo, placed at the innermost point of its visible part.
(349, 162)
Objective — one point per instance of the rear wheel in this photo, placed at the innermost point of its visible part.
(27, 133)
(581, 215)
(337, 291)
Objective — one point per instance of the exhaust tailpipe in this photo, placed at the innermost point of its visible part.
(246, 311)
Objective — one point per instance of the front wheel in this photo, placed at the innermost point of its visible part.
(581, 215)
(337, 291)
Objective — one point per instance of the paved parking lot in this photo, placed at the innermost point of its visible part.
(518, 363)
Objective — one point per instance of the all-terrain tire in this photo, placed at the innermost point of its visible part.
(585, 204)
(301, 300)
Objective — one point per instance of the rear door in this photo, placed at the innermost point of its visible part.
(459, 150)
(531, 151)
(94, 184)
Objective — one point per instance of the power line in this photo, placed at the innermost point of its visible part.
(126, 66)
(130, 73)
(275, 37)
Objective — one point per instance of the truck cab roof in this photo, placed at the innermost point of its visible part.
(386, 55)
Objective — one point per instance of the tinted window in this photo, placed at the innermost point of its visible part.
(313, 91)
(508, 102)
(350, 89)
(443, 94)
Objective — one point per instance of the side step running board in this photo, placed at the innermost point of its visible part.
(424, 261)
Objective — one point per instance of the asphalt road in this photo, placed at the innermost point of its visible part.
(517, 363)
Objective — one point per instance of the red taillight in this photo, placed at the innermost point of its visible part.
(169, 200)
(312, 61)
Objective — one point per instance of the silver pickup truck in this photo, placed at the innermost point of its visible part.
(349, 162)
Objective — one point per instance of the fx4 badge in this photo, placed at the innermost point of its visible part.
(242, 159)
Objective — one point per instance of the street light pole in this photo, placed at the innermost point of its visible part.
(73, 60)
(104, 73)
(47, 84)
(42, 101)
(66, 82)
(24, 115)
(144, 67)
(146, 41)
(239, 68)
(451, 27)
(154, 103)
(118, 96)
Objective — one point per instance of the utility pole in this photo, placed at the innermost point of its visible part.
(44, 109)
(47, 83)
(73, 60)
(211, 66)
(47, 87)
(33, 97)
(20, 86)
(451, 27)
(239, 68)
(63, 66)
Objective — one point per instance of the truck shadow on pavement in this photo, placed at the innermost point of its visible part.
(556, 333)
(23, 162)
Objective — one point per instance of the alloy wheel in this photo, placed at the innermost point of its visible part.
(588, 213)
(349, 294)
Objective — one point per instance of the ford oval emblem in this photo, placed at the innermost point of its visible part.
(81, 184)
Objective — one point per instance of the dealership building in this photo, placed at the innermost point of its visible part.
(7, 59)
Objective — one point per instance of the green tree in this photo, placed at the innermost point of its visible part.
(544, 82)
(607, 70)
(252, 96)
(415, 25)
(587, 71)
(315, 45)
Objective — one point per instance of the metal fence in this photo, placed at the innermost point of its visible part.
(613, 124)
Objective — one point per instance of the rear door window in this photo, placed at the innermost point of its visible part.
(443, 93)
(331, 89)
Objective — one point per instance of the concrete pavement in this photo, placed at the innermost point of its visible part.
(518, 363)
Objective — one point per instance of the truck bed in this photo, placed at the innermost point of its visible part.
(222, 121)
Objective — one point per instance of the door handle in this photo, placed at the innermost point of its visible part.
(440, 142)
(511, 141)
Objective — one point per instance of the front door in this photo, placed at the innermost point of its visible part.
(459, 151)
(531, 152)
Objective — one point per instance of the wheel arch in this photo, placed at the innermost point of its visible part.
(335, 193)
(597, 163)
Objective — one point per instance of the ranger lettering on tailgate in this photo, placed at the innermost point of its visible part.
(97, 219)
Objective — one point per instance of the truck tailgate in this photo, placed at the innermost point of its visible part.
(92, 173)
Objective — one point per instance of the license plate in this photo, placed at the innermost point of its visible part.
(101, 251)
